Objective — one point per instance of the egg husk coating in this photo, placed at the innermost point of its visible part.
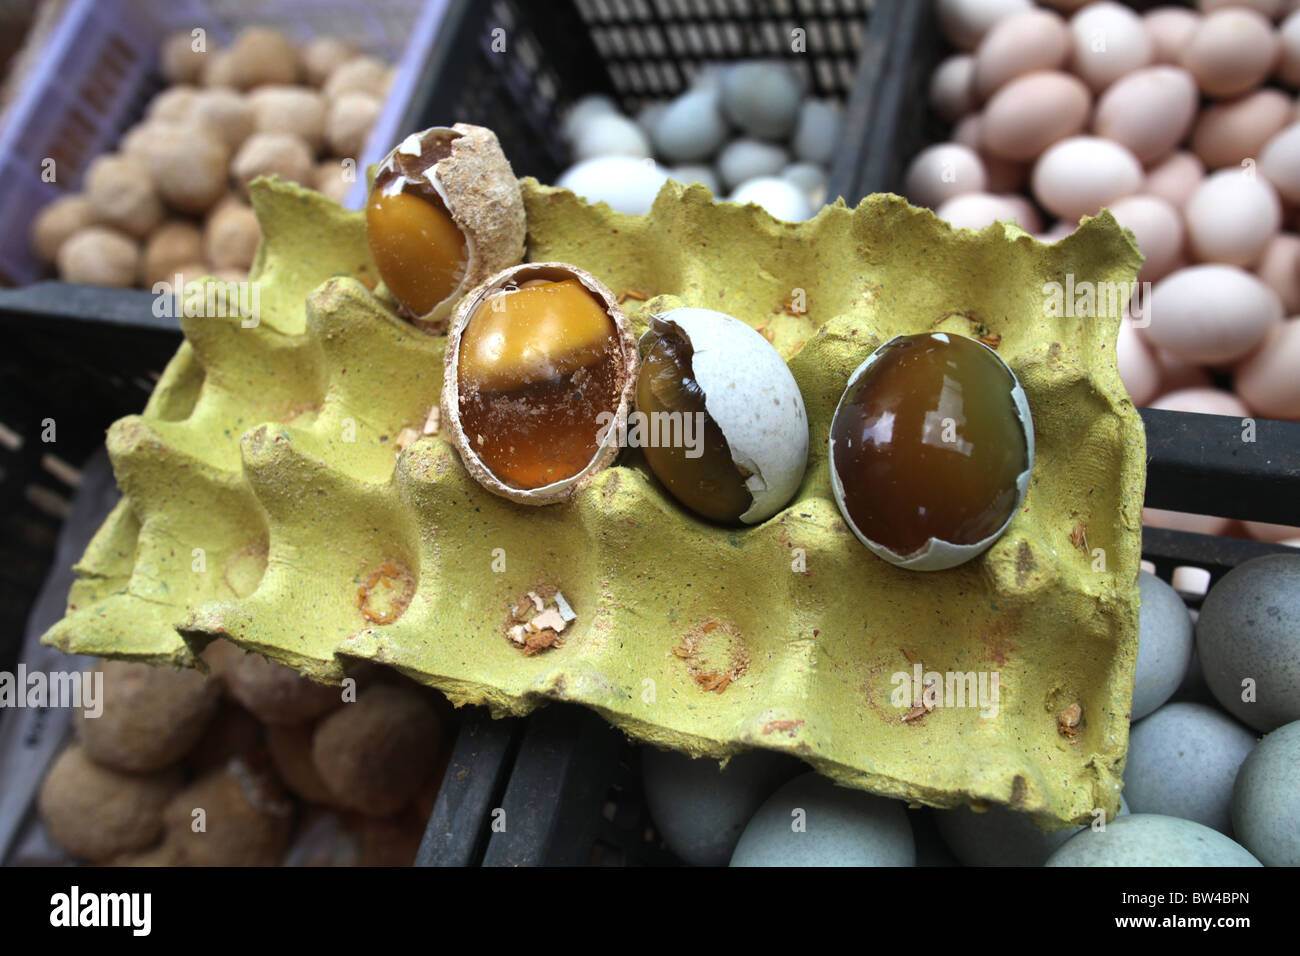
(273, 448)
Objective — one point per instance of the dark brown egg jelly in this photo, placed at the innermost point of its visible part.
(928, 444)
(710, 485)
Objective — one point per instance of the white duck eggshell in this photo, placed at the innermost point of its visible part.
(741, 373)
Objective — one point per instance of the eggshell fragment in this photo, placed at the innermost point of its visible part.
(1019, 44)
(1032, 112)
(1231, 217)
(1231, 131)
(1078, 176)
(1149, 111)
(941, 172)
(1109, 41)
(465, 167)
(1231, 52)
(1269, 379)
(1211, 313)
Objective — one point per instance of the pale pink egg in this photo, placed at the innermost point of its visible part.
(1230, 131)
(1182, 521)
(1032, 112)
(1273, 9)
(1020, 44)
(1279, 163)
(1177, 374)
(1058, 231)
(1211, 314)
(1169, 29)
(943, 171)
(1150, 111)
(1175, 179)
(1232, 52)
(1159, 231)
(964, 22)
(1280, 533)
(977, 210)
(966, 131)
(1280, 268)
(1232, 217)
(1137, 366)
(1202, 401)
(952, 89)
(1288, 64)
(1108, 40)
(1078, 176)
(1269, 379)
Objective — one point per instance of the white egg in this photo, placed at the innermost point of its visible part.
(693, 173)
(1137, 366)
(1078, 176)
(610, 134)
(1110, 40)
(977, 210)
(583, 111)
(1279, 163)
(964, 22)
(691, 128)
(1211, 314)
(762, 99)
(1231, 217)
(739, 371)
(942, 171)
(952, 87)
(744, 159)
(628, 185)
(810, 179)
(816, 131)
(782, 199)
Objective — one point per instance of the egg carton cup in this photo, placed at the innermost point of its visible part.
(265, 501)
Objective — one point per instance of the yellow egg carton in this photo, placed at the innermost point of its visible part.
(287, 488)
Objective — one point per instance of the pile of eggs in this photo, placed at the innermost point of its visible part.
(1200, 787)
(747, 131)
(1184, 123)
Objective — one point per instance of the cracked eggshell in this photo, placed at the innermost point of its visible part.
(450, 402)
(465, 167)
(936, 554)
(739, 371)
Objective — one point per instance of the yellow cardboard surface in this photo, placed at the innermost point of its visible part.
(265, 500)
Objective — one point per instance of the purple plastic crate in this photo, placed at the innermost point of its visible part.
(97, 72)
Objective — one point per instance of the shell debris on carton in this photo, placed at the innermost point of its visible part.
(267, 501)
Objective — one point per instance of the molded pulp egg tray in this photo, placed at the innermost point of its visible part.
(266, 501)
